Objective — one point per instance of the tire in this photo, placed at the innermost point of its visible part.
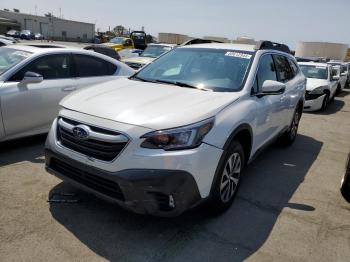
(290, 135)
(345, 187)
(325, 102)
(227, 179)
(345, 190)
(338, 90)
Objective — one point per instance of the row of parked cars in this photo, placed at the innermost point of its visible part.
(25, 34)
(166, 138)
(324, 81)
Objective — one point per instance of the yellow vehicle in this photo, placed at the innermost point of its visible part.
(120, 43)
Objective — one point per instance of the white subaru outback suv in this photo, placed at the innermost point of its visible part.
(181, 130)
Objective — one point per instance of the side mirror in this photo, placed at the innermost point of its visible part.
(335, 78)
(32, 78)
(343, 74)
(271, 87)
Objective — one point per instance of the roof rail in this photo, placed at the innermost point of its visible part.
(262, 45)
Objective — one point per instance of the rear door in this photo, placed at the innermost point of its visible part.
(32, 107)
(90, 70)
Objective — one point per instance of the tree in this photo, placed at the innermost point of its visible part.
(119, 30)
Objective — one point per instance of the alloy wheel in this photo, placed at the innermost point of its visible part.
(295, 124)
(230, 177)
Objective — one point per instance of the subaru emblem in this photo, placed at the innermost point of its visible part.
(81, 132)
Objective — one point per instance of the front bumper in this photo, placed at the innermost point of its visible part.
(144, 191)
(314, 104)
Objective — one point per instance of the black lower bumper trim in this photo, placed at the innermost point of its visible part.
(145, 191)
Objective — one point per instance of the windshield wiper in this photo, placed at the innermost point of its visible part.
(141, 79)
(182, 84)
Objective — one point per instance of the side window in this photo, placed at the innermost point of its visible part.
(284, 71)
(294, 67)
(266, 71)
(334, 72)
(50, 67)
(88, 66)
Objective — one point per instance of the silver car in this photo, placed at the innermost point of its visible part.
(33, 79)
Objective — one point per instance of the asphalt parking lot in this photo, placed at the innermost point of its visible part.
(288, 209)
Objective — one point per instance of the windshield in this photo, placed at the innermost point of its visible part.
(117, 40)
(155, 51)
(10, 57)
(317, 72)
(216, 69)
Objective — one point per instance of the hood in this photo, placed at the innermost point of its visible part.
(313, 83)
(155, 106)
(139, 60)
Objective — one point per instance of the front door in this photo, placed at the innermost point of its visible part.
(268, 107)
(29, 108)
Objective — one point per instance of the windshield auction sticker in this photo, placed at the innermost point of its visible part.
(239, 55)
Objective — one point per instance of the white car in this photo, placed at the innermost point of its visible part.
(4, 41)
(148, 55)
(321, 85)
(343, 74)
(33, 79)
(182, 129)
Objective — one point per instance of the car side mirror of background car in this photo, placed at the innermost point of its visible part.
(32, 78)
(271, 87)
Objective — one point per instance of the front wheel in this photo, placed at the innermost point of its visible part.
(228, 178)
(325, 102)
(290, 135)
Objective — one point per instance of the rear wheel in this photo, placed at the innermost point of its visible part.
(290, 135)
(228, 178)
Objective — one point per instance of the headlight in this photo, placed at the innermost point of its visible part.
(319, 90)
(178, 138)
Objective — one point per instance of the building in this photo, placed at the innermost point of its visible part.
(170, 38)
(7, 24)
(321, 49)
(50, 27)
(244, 40)
(347, 58)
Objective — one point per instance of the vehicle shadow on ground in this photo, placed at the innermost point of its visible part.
(26, 149)
(268, 185)
(344, 93)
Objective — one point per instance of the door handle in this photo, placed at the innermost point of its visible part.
(68, 88)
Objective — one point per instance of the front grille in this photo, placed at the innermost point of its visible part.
(102, 185)
(93, 146)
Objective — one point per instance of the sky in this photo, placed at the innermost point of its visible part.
(277, 20)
